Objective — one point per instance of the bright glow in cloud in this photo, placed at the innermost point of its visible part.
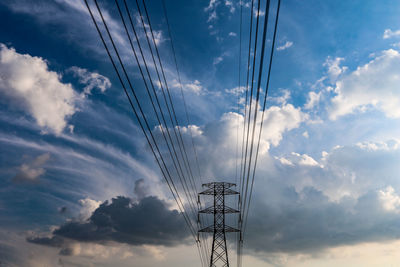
(88, 206)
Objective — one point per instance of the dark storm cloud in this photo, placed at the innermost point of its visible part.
(54, 241)
(148, 221)
(308, 222)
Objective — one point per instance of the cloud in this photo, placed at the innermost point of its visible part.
(212, 4)
(212, 9)
(233, 34)
(230, 5)
(146, 222)
(236, 90)
(158, 35)
(30, 172)
(39, 91)
(303, 159)
(374, 85)
(217, 60)
(212, 16)
(140, 190)
(349, 197)
(256, 13)
(388, 33)
(90, 79)
(298, 159)
(282, 99)
(334, 69)
(285, 46)
(278, 120)
(215, 142)
(313, 100)
(390, 199)
(88, 206)
(193, 87)
(313, 223)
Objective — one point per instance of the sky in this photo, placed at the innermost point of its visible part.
(79, 185)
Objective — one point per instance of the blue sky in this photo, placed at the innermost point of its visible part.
(327, 185)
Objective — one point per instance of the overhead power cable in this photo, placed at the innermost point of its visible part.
(265, 101)
(176, 126)
(175, 160)
(173, 117)
(237, 236)
(186, 113)
(260, 71)
(182, 94)
(165, 171)
(242, 167)
(183, 181)
(244, 193)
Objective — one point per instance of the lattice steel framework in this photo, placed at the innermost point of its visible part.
(219, 252)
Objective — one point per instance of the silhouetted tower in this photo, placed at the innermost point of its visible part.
(219, 253)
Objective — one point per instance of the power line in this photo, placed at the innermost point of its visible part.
(165, 172)
(258, 93)
(185, 106)
(244, 195)
(265, 101)
(245, 106)
(182, 147)
(238, 122)
(181, 89)
(242, 166)
(178, 168)
(183, 153)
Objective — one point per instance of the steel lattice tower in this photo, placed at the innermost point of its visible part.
(219, 252)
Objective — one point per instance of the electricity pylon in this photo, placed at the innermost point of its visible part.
(219, 252)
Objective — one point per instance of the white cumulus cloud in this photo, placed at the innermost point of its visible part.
(29, 85)
(39, 91)
(374, 85)
(389, 199)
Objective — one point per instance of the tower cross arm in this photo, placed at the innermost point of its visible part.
(212, 210)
